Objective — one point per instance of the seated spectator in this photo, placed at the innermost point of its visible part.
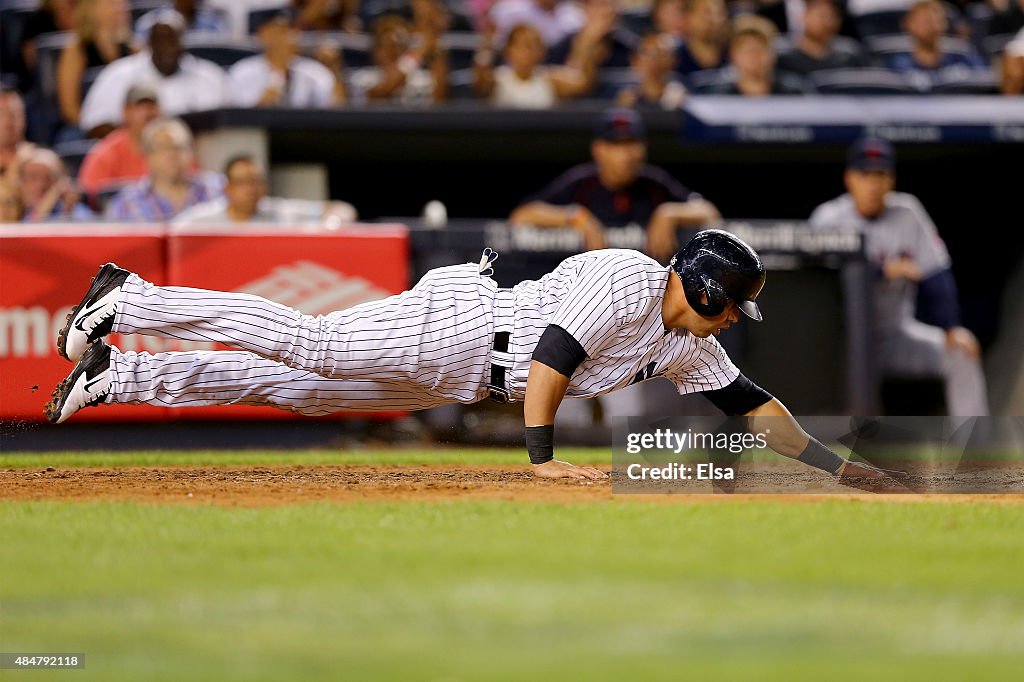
(13, 147)
(47, 193)
(328, 15)
(925, 22)
(618, 189)
(102, 36)
(820, 46)
(707, 27)
(280, 76)
(1011, 67)
(118, 159)
(554, 19)
(245, 200)
(917, 311)
(183, 82)
(400, 72)
(171, 186)
(752, 53)
(10, 203)
(602, 39)
(656, 83)
(198, 19)
(523, 82)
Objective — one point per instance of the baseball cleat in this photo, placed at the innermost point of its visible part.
(93, 318)
(88, 384)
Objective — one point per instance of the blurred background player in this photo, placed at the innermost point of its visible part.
(617, 189)
(917, 316)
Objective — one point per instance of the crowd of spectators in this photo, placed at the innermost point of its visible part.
(105, 72)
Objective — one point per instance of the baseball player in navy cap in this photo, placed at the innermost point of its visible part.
(618, 188)
(598, 322)
(917, 311)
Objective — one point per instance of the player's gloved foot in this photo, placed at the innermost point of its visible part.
(88, 384)
(556, 468)
(93, 317)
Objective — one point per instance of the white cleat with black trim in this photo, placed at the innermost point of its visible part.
(93, 317)
(88, 384)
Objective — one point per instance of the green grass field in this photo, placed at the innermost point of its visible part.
(628, 589)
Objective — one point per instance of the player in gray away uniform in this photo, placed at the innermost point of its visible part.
(599, 322)
(901, 240)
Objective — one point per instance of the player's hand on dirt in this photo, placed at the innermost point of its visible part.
(556, 468)
(963, 340)
(902, 268)
(871, 478)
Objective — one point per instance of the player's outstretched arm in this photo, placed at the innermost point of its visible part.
(784, 435)
(545, 388)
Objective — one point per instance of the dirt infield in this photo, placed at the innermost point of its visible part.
(273, 485)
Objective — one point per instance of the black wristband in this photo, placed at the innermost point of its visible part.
(540, 443)
(817, 455)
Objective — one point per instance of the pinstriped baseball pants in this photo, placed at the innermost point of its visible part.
(424, 347)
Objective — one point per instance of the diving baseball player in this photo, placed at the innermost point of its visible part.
(600, 321)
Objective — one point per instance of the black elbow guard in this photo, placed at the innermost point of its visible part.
(559, 350)
(739, 397)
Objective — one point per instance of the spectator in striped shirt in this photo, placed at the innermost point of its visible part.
(171, 186)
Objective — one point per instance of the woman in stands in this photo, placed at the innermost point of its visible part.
(102, 35)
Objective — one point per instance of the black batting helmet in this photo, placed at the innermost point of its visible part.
(722, 267)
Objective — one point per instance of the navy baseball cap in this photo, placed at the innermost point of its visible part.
(871, 154)
(616, 125)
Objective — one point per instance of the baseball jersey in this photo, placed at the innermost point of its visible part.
(610, 302)
(903, 230)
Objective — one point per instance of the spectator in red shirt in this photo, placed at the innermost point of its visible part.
(118, 158)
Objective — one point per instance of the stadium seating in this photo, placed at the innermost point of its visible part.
(611, 81)
(966, 83)
(461, 48)
(72, 153)
(460, 85)
(48, 49)
(861, 82)
(355, 47)
(140, 7)
(217, 50)
(878, 23)
(882, 47)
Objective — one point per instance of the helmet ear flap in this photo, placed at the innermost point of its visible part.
(718, 299)
(696, 285)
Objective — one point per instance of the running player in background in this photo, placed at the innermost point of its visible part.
(599, 322)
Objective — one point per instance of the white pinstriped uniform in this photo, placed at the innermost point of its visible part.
(425, 347)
